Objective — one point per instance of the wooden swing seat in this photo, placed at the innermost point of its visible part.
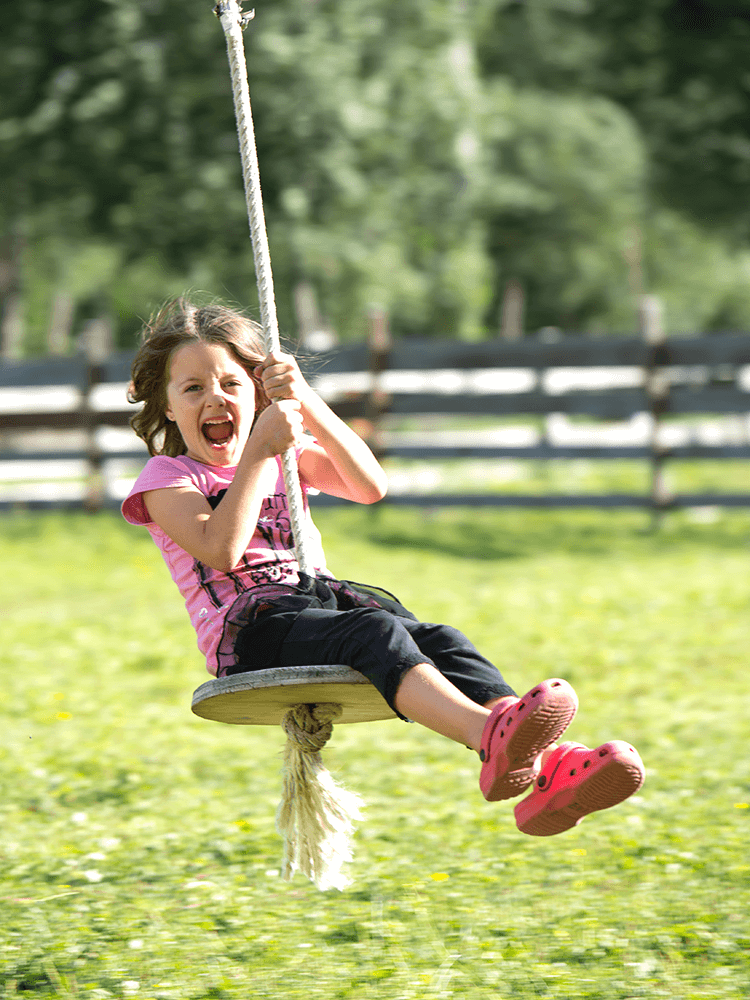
(263, 697)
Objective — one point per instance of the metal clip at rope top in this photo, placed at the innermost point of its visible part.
(224, 7)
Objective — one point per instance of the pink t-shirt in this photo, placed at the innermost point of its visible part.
(269, 558)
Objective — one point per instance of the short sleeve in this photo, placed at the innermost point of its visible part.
(159, 473)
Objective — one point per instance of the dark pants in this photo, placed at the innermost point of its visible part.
(383, 646)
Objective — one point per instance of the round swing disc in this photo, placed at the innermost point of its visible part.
(263, 697)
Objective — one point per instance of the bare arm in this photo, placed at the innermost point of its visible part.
(340, 463)
(219, 537)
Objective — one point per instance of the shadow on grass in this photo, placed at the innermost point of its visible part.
(499, 534)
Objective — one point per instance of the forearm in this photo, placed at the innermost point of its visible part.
(232, 524)
(230, 527)
(341, 463)
(361, 475)
(216, 537)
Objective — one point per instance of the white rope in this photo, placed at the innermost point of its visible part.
(232, 21)
(316, 816)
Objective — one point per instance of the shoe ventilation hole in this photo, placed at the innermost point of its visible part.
(502, 733)
(573, 773)
(522, 706)
(603, 753)
(587, 763)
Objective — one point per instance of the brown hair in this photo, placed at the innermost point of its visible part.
(181, 322)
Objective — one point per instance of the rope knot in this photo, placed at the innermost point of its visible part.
(309, 727)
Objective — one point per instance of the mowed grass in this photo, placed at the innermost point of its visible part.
(138, 854)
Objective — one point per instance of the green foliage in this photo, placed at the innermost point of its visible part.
(378, 197)
(416, 155)
(560, 222)
(680, 69)
(139, 856)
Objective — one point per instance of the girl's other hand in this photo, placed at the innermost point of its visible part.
(279, 427)
(282, 378)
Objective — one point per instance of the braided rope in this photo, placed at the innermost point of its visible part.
(232, 21)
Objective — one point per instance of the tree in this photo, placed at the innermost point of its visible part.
(414, 154)
(123, 131)
(680, 68)
(677, 70)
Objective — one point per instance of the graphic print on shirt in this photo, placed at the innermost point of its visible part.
(275, 528)
(203, 575)
(274, 523)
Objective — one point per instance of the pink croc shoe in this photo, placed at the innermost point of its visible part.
(576, 781)
(514, 737)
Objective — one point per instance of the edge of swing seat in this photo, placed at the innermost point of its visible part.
(263, 697)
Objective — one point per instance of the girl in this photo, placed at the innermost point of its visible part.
(217, 415)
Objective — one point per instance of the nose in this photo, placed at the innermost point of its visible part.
(216, 396)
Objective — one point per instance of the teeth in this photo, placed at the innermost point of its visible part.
(220, 422)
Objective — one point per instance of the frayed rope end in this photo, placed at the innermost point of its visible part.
(316, 816)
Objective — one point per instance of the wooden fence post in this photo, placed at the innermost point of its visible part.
(657, 387)
(512, 311)
(313, 332)
(60, 322)
(11, 298)
(379, 345)
(96, 343)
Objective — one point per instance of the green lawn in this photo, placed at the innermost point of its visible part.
(139, 857)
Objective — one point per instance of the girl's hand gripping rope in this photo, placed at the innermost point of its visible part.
(278, 428)
(282, 378)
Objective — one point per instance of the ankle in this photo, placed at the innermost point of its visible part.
(507, 701)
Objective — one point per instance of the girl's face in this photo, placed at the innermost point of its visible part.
(211, 398)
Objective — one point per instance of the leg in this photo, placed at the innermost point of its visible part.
(427, 697)
(383, 648)
(461, 663)
(515, 734)
(445, 694)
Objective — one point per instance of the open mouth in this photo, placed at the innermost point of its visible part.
(218, 432)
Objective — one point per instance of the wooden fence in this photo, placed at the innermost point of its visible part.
(607, 381)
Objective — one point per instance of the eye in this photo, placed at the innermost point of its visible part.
(191, 388)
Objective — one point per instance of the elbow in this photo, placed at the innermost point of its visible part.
(225, 561)
(222, 553)
(223, 567)
(375, 492)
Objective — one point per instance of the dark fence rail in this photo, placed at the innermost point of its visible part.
(372, 383)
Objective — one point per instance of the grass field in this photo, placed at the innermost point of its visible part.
(138, 854)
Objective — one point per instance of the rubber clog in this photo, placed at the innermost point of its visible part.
(576, 781)
(514, 737)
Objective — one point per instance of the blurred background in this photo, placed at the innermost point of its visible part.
(433, 157)
(526, 179)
